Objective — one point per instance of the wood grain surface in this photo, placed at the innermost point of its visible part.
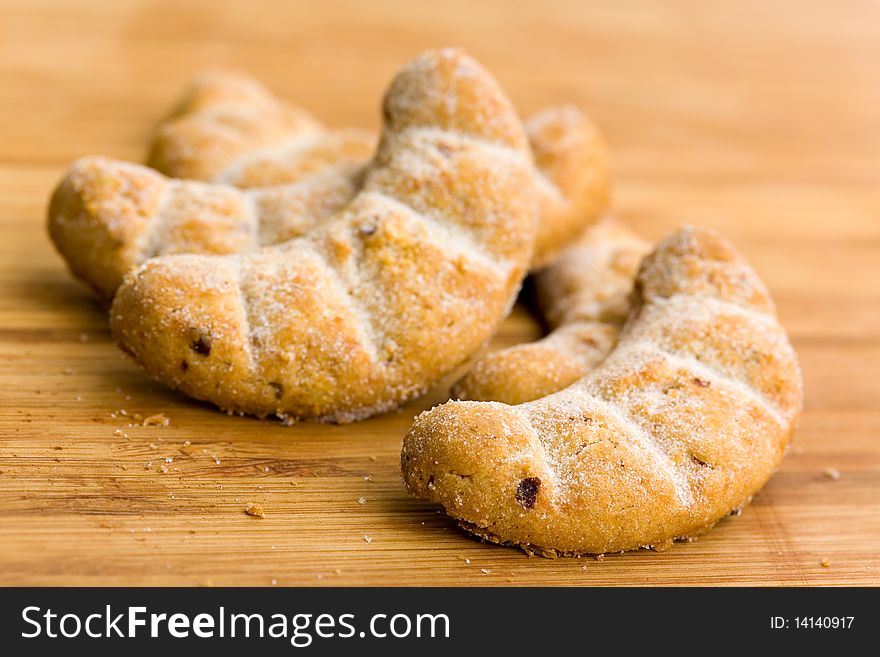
(759, 118)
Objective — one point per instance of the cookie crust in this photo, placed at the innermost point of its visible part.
(583, 297)
(334, 325)
(684, 421)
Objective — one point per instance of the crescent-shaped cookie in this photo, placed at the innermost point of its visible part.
(584, 299)
(374, 304)
(108, 217)
(104, 221)
(682, 424)
(573, 179)
(230, 129)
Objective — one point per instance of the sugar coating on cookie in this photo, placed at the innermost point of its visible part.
(229, 128)
(108, 217)
(680, 425)
(225, 123)
(294, 173)
(584, 299)
(571, 165)
(372, 305)
(263, 141)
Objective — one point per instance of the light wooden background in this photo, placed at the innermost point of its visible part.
(761, 118)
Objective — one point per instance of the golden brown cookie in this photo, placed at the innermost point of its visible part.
(230, 129)
(103, 235)
(108, 217)
(584, 298)
(372, 305)
(572, 171)
(682, 424)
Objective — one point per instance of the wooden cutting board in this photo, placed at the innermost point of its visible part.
(761, 119)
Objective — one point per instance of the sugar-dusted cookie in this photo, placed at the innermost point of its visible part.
(107, 217)
(584, 298)
(573, 183)
(308, 175)
(372, 305)
(229, 128)
(680, 425)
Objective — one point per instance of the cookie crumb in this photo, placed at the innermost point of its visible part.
(157, 420)
(368, 478)
(367, 539)
(274, 582)
(253, 509)
(362, 500)
(485, 571)
(825, 563)
(600, 557)
(831, 473)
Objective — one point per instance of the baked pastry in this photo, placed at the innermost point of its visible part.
(572, 171)
(334, 325)
(107, 217)
(682, 424)
(310, 174)
(230, 129)
(584, 298)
